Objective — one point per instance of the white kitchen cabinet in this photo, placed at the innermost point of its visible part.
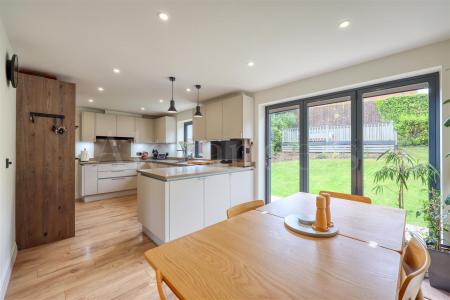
(105, 125)
(199, 127)
(241, 187)
(153, 208)
(116, 184)
(87, 126)
(144, 131)
(237, 120)
(166, 130)
(126, 126)
(118, 166)
(214, 120)
(216, 198)
(89, 179)
(185, 207)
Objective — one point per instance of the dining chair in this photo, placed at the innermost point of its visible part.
(416, 261)
(244, 207)
(351, 197)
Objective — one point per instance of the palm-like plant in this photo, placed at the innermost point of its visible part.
(400, 167)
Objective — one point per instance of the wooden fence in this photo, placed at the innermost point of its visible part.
(377, 137)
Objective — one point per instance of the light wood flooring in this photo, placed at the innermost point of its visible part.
(103, 261)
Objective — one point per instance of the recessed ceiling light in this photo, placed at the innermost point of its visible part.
(91, 100)
(188, 90)
(100, 89)
(344, 24)
(161, 100)
(163, 16)
(115, 70)
(142, 108)
(250, 63)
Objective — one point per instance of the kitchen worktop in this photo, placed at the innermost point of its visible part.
(191, 171)
(172, 162)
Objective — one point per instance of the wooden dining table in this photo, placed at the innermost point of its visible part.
(254, 256)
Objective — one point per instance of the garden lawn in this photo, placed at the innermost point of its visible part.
(335, 175)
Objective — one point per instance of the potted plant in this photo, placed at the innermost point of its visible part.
(439, 273)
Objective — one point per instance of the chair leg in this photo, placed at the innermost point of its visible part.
(159, 281)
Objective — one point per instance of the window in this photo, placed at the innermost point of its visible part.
(334, 142)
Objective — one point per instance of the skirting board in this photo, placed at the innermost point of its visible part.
(7, 273)
(109, 195)
(151, 236)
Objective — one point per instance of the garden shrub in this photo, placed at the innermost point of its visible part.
(410, 117)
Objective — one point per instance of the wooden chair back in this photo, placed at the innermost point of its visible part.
(351, 197)
(416, 261)
(244, 207)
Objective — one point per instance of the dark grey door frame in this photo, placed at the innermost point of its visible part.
(356, 96)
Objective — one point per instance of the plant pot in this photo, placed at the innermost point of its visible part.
(439, 271)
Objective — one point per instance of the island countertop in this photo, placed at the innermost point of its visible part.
(178, 173)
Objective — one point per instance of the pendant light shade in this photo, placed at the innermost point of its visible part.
(172, 108)
(198, 113)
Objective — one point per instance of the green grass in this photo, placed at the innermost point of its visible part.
(335, 175)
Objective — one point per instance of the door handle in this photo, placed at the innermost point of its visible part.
(8, 163)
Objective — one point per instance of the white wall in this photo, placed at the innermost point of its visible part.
(432, 58)
(7, 176)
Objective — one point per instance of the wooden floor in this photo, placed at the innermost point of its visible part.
(103, 261)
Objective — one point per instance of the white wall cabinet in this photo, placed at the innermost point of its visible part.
(237, 120)
(105, 125)
(126, 126)
(144, 131)
(213, 112)
(186, 207)
(87, 126)
(241, 187)
(89, 180)
(216, 198)
(199, 127)
(166, 130)
(230, 118)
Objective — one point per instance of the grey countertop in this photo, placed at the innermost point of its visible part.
(192, 171)
(169, 161)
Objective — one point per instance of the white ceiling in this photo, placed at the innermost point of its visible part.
(207, 42)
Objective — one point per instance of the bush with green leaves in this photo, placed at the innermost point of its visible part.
(278, 122)
(410, 117)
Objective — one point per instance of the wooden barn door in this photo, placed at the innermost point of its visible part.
(45, 175)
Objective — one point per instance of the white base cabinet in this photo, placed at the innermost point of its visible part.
(186, 207)
(169, 210)
(216, 198)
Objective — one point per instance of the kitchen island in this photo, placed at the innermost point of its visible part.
(176, 201)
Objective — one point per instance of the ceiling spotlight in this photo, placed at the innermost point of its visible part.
(115, 70)
(250, 63)
(163, 16)
(161, 100)
(344, 24)
(188, 90)
(91, 100)
(100, 89)
(142, 108)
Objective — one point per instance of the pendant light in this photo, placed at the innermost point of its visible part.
(198, 113)
(172, 108)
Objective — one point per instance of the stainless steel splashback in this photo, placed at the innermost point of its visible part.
(112, 149)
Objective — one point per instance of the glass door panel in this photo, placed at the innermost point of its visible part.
(396, 121)
(330, 145)
(283, 160)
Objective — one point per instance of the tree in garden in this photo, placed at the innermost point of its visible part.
(399, 168)
(409, 115)
(278, 122)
